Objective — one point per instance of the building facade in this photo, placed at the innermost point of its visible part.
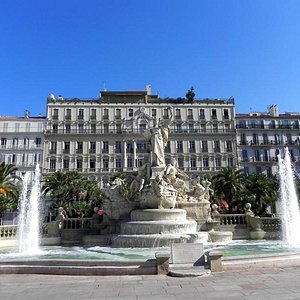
(98, 137)
(22, 141)
(262, 136)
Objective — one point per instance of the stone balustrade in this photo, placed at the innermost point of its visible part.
(76, 223)
(8, 232)
(232, 219)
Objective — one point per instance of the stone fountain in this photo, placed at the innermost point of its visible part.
(163, 208)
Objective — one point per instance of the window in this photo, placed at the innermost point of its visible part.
(214, 113)
(193, 163)
(68, 128)
(68, 113)
(80, 128)
(141, 147)
(178, 128)
(93, 114)
(177, 113)
(142, 127)
(129, 147)
(192, 146)
(105, 164)
(118, 113)
(166, 113)
(205, 163)
(168, 147)
(153, 112)
(191, 127)
(38, 142)
(55, 114)
(118, 147)
(229, 146)
(226, 114)
(203, 127)
(66, 163)
(257, 155)
(201, 113)
(79, 164)
(105, 128)
(54, 128)
(80, 114)
(255, 138)
(190, 113)
(118, 163)
(53, 146)
(179, 146)
(15, 142)
(216, 146)
(180, 162)
(130, 112)
(105, 114)
(244, 155)
(92, 163)
(204, 146)
(13, 159)
(230, 161)
(93, 128)
(139, 162)
(52, 164)
(66, 147)
(215, 128)
(79, 147)
(93, 147)
(129, 162)
(105, 147)
(218, 163)
(118, 128)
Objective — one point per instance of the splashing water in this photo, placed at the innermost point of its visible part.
(29, 220)
(289, 206)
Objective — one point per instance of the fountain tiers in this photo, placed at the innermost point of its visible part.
(158, 228)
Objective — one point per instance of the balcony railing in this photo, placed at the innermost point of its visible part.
(137, 131)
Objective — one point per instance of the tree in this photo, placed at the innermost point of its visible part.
(263, 189)
(190, 95)
(72, 191)
(9, 187)
(227, 182)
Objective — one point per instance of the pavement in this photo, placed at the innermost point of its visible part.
(260, 284)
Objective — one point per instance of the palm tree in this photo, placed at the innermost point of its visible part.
(9, 186)
(227, 182)
(69, 188)
(263, 189)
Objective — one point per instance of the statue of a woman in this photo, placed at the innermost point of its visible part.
(158, 136)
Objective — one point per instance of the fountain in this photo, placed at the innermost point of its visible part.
(289, 205)
(29, 219)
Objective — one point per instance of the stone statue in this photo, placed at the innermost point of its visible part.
(158, 137)
(176, 177)
(202, 190)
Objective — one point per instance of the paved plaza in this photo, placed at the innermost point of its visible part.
(256, 284)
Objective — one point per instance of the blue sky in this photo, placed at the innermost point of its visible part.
(248, 49)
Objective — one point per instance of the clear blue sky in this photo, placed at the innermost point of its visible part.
(248, 49)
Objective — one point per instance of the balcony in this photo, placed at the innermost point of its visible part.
(92, 151)
(80, 117)
(52, 151)
(66, 151)
(93, 117)
(68, 117)
(79, 151)
(54, 117)
(190, 117)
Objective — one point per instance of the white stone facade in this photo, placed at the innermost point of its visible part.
(99, 137)
(22, 141)
(262, 136)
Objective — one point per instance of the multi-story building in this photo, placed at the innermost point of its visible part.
(262, 136)
(22, 141)
(100, 136)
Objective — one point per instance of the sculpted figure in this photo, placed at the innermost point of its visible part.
(176, 177)
(158, 137)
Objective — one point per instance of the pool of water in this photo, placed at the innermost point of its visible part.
(245, 247)
(235, 248)
(95, 253)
